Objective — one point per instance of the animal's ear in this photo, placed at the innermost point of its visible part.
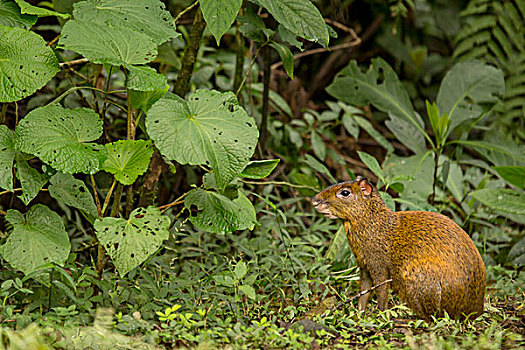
(366, 186)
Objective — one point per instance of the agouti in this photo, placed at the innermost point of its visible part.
(433, 263)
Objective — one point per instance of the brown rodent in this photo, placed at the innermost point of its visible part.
(433, 263)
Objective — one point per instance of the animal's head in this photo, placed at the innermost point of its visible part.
(345, 200)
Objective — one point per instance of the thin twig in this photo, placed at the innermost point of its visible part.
(3, 213)
(360, 294)
(186, 10)
(320, 50)
(52, 42)
(73, 62)
(108, 196)
(97, 199)
(248, 71)
(174, 203)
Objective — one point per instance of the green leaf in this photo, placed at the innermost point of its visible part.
(61, 137)
(376, 135)
(466, 90)
(217, 213)
(286, 56)
(300, 17)
(318, 145)
(252, 26)
(10, 16)
(31, 180)
(72, 192)
(509, 201)
(130, 242)
(318, 166)
(514, 175)
(26, 63)
(351, 126)
(144, 78)
(259, 169)
(38, 238)
(240, 270)
(128, 159)
(339, 246)
(29, 9)
(372, 164)
(99, 44)
(7, 157)
(379, 86)
(406, 133)
(148, 17)
(455, 181)
(415, 173)
(145, 99)
(388, 200)
(210, 128)
(248, 291)
(219, 15)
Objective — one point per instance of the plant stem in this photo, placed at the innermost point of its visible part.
(237, 92)
(108, 196)
(239, 60)
(104, 105)
(182, 84)
(436, 163)
(116, 200)
(174, 203)
(95, 193)
(186, 10)
(267, 72)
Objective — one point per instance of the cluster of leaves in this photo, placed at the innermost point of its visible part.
(94, 131)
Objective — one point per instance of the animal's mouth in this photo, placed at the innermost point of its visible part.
(324, 209)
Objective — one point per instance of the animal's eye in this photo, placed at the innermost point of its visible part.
(345, 193)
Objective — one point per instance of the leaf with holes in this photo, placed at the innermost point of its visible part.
(7, 157)
(72, 192)
(300, 17)
(10, 16)
(144, 78)
(31, 180)
(379, 86)
(219, 15)
(214, 212)
(210, 128)
(62, 138)
(128, 159)
(259, 169)
(38, 238)
(26, 63)
(148, 17)
(99, 44)
(38, 11)
(130, 242)
(467, 89)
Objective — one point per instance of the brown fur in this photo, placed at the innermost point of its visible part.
(434, 265)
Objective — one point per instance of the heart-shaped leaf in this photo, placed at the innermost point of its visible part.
(26, 63)
(219, 15)
(38, 238)
(128, 159)
(61, 137)
(210, 128)
(130, 242)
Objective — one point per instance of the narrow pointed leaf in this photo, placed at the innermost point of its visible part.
(259, 169)
(29, 9)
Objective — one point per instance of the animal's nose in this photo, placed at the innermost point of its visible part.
(316, 201)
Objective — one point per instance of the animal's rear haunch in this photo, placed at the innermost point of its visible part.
(433, 263)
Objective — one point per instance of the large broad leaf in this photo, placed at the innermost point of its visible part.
(38, 11)
(219, 15)
(149, 17)
(259, 169)
(416, 173)
(7, 157)
(406, 133)
(210, 128)
(72, 192)
(214, 212)
(379, 86)
(61, 137)
(512, 174)
(131, 242)
(26, 64)
(509, 201)
(37, 239)
(128, 159)
(11, 16)
(100, 44)
(31, 180)
(144, 78)
(467, 89)
(300, 17)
